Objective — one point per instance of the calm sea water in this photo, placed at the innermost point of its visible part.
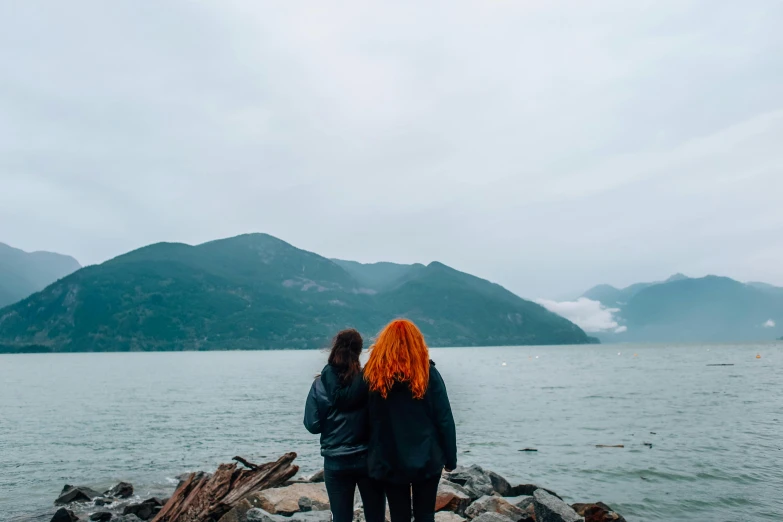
(716, 431)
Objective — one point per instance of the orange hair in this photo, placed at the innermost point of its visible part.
(399, 355)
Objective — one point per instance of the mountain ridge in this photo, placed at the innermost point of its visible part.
(24, 273)
(256, 291)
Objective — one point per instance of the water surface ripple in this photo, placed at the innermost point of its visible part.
(716, 432)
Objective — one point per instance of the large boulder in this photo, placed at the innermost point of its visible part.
(260, 515)
(121, 490)
(474, 479)
(522, 502)
(127, 518)
(286, 501)
(64, 515)
(598, 512)
(492, 504)
(71, 494)
(491, 517)
(528, 490)
(448, 516)
(101, 516)
(452, 497)
(104, 501)
(144, 510)
(549, 508)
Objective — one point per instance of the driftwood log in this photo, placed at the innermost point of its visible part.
(206, 498)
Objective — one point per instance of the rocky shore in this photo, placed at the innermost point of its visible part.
(271, 493)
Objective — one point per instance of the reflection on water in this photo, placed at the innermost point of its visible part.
(715, 431)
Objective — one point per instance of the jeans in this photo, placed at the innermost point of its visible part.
(423, 493)
(341, 485)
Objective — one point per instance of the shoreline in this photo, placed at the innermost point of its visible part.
(275, 492)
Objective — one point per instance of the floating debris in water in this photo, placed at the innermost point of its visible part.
(609, 445)
(648, 444)
(758, 356)
(503, 364)
(529, 449)
(721, 364)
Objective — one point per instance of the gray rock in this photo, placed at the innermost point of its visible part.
(474, 479)
(127, 518)
(491, 517)
(64, 515)
(549, 508)
(500, 485)
(286, 501)
(145, 510)
(71, 494)
(121, 490)
(492, 504)
(448, 516)
(452, 497)
(528, 490)
(104, 501)
(522, 501)
(309, 504)
(101, 516)
(318, 477)
(259, 515)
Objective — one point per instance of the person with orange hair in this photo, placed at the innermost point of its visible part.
(412, 433)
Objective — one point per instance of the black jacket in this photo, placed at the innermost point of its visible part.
(343, 432)
(410, 439)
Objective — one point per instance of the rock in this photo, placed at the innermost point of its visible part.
(101, 516)
(448, 516)
(318, 477)
(285, 501)
(238, 513)
(127, 518)
(491, 517)
(71, 494)
(308, 504)
(104, 501)
(474, 479)
(500, 485)
(145, 510)
(549, 508)
(499, 505)
(452, 497)
(522, 501)
(598, 512)
(121, 490)
(260, 515)
(64, 515)
(528, 490)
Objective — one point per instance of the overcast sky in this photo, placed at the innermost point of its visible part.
(548, 146)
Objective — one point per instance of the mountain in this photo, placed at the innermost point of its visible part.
(611, 297)
(707, 309)
(23, 273)
(256, 292)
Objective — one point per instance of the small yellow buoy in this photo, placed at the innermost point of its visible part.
(758, 356)
(636, 355)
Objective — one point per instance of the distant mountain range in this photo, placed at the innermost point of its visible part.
(256, 292)
(23, 273)
(683, 309)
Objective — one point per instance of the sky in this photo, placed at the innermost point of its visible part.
(547, 146)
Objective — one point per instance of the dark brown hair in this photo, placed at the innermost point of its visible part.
(344, 356)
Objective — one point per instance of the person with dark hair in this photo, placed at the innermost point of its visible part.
(344, 432)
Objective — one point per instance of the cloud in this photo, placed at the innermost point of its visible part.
(769, 324)
(589, 315)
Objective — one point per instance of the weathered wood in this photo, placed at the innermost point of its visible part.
(245, 463)
(206, 498)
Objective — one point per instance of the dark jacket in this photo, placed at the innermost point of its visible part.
(343, 432)
(410, 439)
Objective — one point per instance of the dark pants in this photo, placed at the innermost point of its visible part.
(341, 485)
(423, 494)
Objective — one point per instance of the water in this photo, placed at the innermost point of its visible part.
(717, 452)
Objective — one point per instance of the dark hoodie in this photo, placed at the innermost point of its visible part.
(410, 439)
(344, 432)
